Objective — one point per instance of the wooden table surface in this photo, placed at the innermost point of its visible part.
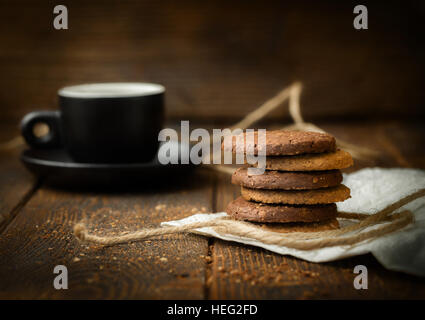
(36, 235)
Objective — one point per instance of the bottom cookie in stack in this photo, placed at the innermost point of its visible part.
(242, 209)
(325, 225)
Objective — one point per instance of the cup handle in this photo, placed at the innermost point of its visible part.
(52, 119)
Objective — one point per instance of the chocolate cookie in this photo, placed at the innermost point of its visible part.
(330, 224)
(318, 196)
(287, 180)
(283, 142)
(311, 162)
(252, 211)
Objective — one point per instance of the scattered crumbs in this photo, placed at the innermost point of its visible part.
(76, 259)
(248, 276)
(182, 275)
(160, 207)
(235, 272)
(281, 267)
(209, 281)
(310, 274)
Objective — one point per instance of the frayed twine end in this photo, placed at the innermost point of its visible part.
(80, 231)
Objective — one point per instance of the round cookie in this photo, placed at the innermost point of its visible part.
(311, 162)
(284, 142)
(318, 196)
(241, 209)
(287, 180)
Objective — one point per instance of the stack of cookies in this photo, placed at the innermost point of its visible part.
(301, 183)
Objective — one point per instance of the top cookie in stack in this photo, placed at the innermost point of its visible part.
(301, 183)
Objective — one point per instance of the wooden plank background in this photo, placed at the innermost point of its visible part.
(220, 59)
(39, 236)
(17, 185)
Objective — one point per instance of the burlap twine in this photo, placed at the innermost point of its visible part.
(384, 221)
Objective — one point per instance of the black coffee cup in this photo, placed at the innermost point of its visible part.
(102, 122)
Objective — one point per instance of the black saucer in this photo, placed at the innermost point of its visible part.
(57, 168)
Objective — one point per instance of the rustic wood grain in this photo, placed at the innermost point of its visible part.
(180, 266)
(221, 58)
(40, 238)
(244, 272)
(16, 184)
(406, 142)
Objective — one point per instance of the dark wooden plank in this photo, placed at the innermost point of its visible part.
(16, 184)
(244, 272)
(41, 237)
(406, 141)
(398, 142)
(213, 64)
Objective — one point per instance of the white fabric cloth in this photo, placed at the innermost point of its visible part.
(372, 189)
